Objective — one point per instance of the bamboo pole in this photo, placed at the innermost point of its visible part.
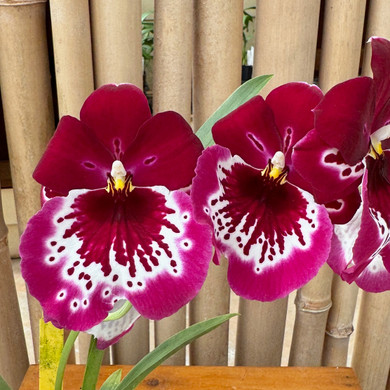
(285, 40)
(313, 302)
(217, 73)
(339, 327)
(116, 39)
(340, 60)
(377, 25)
(70, 24)
(341, 41)
(13, 351)
(371, 355)
(288, 54)
(173, 56)
(72, 54)
(172, 73)
(28, 110)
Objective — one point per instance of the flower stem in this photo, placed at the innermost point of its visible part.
(94, 361)
(64, 358)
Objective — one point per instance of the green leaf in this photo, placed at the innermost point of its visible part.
(168, 348)
(4, 385)
(241, 95)
(112, 382)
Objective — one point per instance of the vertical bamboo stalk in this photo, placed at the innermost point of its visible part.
(74, 73)
(371, 355)
(285, 40)
(13, 351)
(28, 110)
(339, 327)
(255, 352)
(340, 60)
(217, 73)
(377, 25)
(288, 54)
(313, 302)
(72, 54)
(341, 41)
(116, 39)
(172, 73)
(173, 37)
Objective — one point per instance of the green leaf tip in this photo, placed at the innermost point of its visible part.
(240, 96)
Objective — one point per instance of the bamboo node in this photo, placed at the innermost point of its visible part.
(313, 307)
(4, 242)
(15, 3)
(342, 332)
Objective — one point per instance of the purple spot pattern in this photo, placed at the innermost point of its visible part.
(256, 218)
(105, 248)
(332, 159)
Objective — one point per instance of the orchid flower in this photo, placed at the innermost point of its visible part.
(122, 237)
(352, 124)
(273, 233)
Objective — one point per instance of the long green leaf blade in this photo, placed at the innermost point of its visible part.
(241, 95)
(168, 348)
(112, 382)
(4, 385)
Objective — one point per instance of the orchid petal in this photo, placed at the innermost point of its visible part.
(341, 211)
(358, 253)
(74, 159)
(378, 185)
(114, 114)
(343, 118)
(249, 132)
(109, 332)
(83, 253)
(275, 238)
(163, 142)
(324, 168)
(376, 276)
(292, 105)
(380, 64)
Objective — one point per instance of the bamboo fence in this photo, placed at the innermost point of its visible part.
(55, 53)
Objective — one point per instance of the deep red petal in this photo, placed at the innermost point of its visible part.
(250, 132)
(114, 114)
(164, 152)
(342, 210)
(378, 185)
(73, 159)
(324, 169)
(343, 118)
(380, 64)
(292, 105)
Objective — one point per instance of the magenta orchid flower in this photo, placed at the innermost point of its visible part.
(352, 124)
(273, 233)
(122, 231)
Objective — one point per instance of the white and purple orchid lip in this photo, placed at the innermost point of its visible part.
(94, 248)
(273, 234)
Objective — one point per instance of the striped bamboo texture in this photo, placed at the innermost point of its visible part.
(196, 65)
